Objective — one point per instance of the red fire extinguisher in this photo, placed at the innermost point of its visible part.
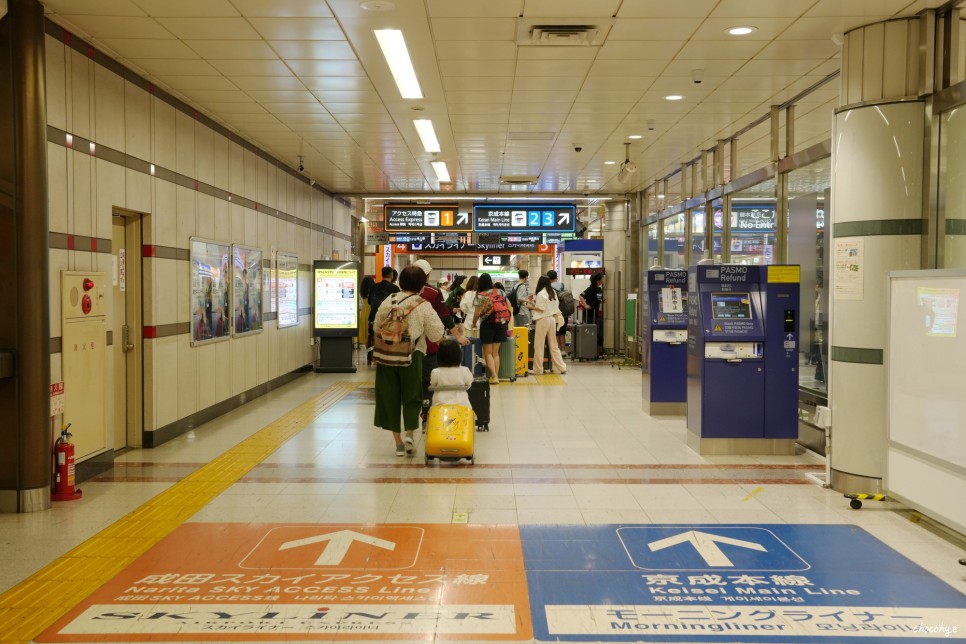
(64, 489)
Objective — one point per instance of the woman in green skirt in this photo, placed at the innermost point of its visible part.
(399, 390)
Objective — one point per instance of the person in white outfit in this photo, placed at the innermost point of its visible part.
(468, 307)
(546, 310)
(450, 374)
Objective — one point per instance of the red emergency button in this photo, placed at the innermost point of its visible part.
(88, 283)
(86, 304)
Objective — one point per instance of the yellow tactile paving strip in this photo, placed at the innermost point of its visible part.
(550, 379)
(33, 605)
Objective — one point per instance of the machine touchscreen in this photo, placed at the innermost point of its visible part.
(731, 306)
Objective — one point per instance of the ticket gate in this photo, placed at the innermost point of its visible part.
(742, 371)
(665, 334)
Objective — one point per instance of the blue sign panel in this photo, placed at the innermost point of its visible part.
(508, 218)
(726, 583)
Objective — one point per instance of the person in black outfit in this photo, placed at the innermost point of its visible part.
(593, 299)
(379, 292)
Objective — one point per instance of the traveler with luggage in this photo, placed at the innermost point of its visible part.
(546, 314)
(491, 317)
(450, 373)
(593, 299)
(402, 326)
(468, 307)
(378, 293)
(518, 297)
(565, 301)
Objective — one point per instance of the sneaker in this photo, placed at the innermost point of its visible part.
(401, 450)
(494, 381)
(408, 444)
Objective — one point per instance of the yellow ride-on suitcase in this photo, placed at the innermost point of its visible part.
(521, 343)
(450, 433)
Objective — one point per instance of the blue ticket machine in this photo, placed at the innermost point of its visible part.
(742, 368)
(665, 334)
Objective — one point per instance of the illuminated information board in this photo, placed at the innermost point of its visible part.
(436, 218)
(524, 218)
(336, 289)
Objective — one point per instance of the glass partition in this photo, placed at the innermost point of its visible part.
(953, 187)
(809, 199)
(697, 235)
(753, 225)
(650, 258)
(675, 242)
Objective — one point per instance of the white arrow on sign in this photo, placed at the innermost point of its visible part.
(564, 218)
(338, 545)
(706, 546)
(463, 218)
(790, 336)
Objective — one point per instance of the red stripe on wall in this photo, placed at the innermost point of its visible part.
(150, 332)
(147, 250)
(70, 242)
(93, 244)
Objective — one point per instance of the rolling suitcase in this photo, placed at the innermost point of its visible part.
(449, 433)
(473, 357)
(585, 341)
(523, 346)
(508, 360)
(479, 394)
(547, 363)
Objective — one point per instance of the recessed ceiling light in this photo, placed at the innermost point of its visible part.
(377, 5)
(442, 173)
(742, 30)
(634, 136)
(673, 97)
(394, 49)
(591, 180)
(424, 127)
(609, 162)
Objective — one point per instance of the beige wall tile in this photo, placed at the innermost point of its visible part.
(165, 214)
(56, 83)
(57, 187)
(236, 169)
(222, 230)
(166, 380)
(109, 126)
(137, 122)
(187, 376)
(81, 221)
(137, 191)
(187, 215)
(205, 154)
(58, 262)
(79, 95)
(238, 349)
(150, 392)
(183, 288)
(163, 135)
(149, 281)
(110, 183)
(220, 373)
(250, 162)
(208, 371)
(221, 146)
(184, 126)
(206, 216)
(166, 293)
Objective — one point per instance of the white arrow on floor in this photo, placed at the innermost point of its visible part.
(338, 545)
(706, 545)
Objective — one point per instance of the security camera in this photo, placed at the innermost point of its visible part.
(578, 147)
(697, 76)
(301, 168)
(651, 124)
(301, 164)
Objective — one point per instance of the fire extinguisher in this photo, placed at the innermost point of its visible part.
(64, 489)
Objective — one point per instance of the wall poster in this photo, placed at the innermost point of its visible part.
(848, 276)
(210, 279)
(246, 293)
(287, 270)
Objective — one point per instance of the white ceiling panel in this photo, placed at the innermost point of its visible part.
(474, 29)
(313, 49)
(209, 28)
(307, 77)
(232, 49)
(298, 28)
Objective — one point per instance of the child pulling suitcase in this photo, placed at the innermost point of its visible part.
(449, 428)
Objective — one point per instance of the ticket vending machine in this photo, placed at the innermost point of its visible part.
(665, 335)
(742, 369)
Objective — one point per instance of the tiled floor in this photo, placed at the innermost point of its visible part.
(581, 454)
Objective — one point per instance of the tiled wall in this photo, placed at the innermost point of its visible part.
(157, 157)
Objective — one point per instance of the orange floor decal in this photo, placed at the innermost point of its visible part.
(268, 582)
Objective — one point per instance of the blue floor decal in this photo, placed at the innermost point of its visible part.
(741, 583)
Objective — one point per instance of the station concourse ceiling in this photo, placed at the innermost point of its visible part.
(512, 87)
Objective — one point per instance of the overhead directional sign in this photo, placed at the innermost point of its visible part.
(434, 218)
(464, 248)
(524, 218)
(495, 260)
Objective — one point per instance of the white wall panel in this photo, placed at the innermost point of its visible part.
(110, 193)
(137, 122)
(137, 191)
(184, 126)
(57, 187)
(79, 95)
(165, 297)
(108, 109)
(56, 83)
(164, 215)
(205, 155)
(187, 210)
(163, 134)
(81, 169)
(166, 380)
(188, 379)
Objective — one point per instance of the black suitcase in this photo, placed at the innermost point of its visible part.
(547, 362)
(479, 394)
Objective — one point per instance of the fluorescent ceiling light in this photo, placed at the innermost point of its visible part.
(673, 97)
(400, 64)
(609, 162)
(634, 136)
(427, 134)
(742, 30)
(441, 172)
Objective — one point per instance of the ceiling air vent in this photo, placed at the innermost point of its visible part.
(563, 32)
(519, 180)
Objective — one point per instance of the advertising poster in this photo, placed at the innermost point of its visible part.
(287, 267)
(940, 310)
(246, 290)
(269, 276)
(336, 295)
(848, 279)
(210, 279)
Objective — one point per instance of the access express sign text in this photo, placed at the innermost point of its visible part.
(427, 219)
(528, 218)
